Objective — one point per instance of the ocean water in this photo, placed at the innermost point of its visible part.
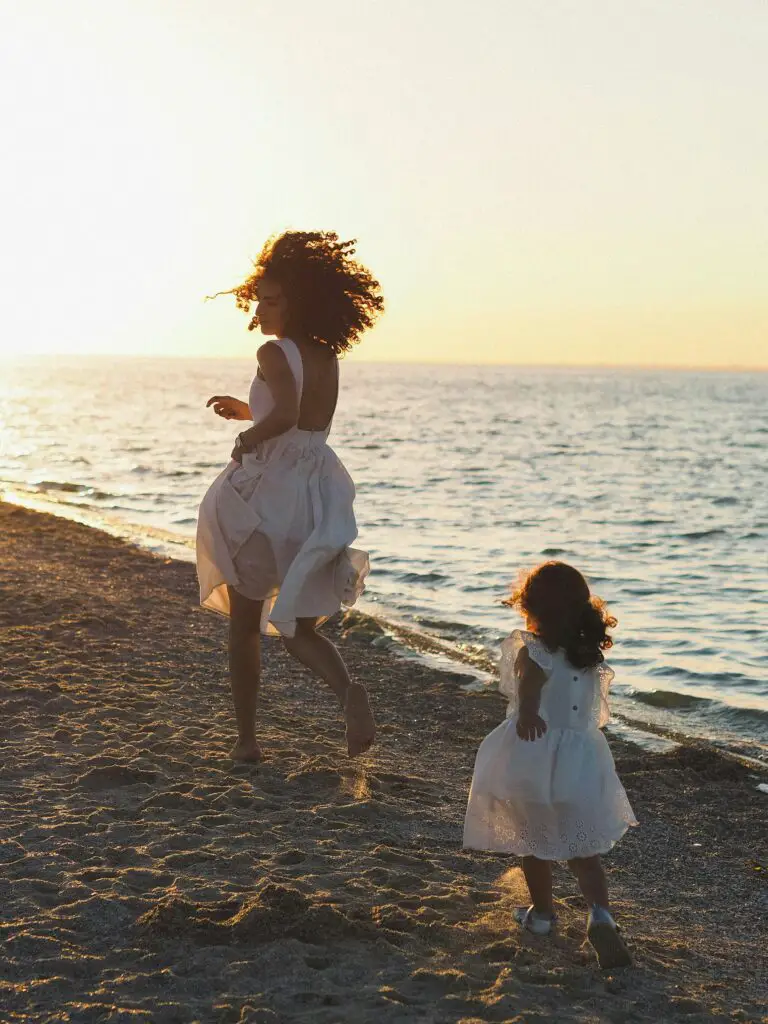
(652, 483)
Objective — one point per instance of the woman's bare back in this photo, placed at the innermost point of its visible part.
(321, 386)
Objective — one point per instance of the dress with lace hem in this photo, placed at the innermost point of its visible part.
(559, 796)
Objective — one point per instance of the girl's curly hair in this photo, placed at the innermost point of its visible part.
(331, 297)
(556, 597)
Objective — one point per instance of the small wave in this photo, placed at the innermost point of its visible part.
(741, 716)
(702, 534)
(61, 485)
(456, 629)
(669, 699)
(708, 678)
(749, 721)
(423, 577)
(553, 551)
(727, 499)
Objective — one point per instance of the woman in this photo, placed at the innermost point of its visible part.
(275, 527)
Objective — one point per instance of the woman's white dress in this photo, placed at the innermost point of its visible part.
(278, 528)
(559, 796)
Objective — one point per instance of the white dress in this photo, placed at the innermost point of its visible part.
(278, 528)
(559, 796)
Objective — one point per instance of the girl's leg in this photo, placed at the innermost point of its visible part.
(244, 671)
(591, 878)
(320, 656)
(538, 876)
(602, 931)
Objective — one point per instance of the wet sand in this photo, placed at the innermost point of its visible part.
(145, 877)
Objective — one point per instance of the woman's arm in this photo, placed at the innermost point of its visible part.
(285, 414)
(228, 407)
(530, 725)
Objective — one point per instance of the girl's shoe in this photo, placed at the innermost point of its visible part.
(539, 924)
(604, 935)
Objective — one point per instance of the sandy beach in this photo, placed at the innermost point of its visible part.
(145, 877)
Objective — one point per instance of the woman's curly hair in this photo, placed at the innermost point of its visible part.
(331, 297)
(556, 598)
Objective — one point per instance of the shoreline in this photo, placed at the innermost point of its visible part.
(148, 878)
(649, 722)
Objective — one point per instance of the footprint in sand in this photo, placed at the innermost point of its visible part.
(290, 857)
(114, 776)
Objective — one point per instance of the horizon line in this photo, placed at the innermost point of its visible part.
(680, 367)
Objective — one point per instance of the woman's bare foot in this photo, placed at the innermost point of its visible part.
(246, 750)
(361, 728)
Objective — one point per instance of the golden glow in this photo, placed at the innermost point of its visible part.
(543, 183)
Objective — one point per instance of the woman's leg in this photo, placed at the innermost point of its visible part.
(320, 656)
(591, 878)
(244, 671)
(538, 876)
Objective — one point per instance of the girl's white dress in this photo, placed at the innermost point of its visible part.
(559, 796)
(278, 528)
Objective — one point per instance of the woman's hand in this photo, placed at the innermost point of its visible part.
(243, 445)
(229, 408)
(530, 727)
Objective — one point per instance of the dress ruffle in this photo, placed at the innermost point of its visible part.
(279, 527)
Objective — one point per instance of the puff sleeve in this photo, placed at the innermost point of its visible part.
(510, 648)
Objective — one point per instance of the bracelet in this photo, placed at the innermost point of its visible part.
(242, 443)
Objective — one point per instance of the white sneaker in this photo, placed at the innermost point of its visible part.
(529, 919)
(605, 937)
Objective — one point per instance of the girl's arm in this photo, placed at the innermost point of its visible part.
(285, 414)
(531, 678)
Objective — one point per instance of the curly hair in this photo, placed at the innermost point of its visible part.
(556, 598)
(331, 297)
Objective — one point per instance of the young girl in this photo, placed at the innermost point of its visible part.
(545, 786)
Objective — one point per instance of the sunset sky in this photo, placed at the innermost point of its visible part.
(567, 181)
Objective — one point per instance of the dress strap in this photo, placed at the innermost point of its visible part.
(292, 353)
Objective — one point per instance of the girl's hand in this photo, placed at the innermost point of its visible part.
(531, 727)
(229, 408)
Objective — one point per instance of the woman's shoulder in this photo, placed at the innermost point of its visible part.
(275, 354)
(274, 349)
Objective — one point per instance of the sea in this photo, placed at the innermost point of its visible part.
(651, 482)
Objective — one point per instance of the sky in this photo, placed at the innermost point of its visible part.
(559, 182)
